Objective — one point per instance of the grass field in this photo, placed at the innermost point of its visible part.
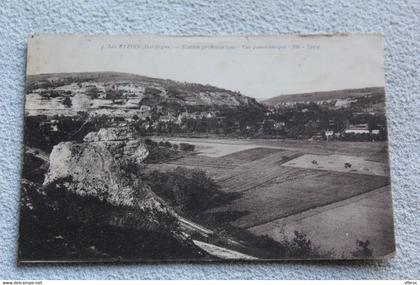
(295, 191)
(338, 163)
(337, 227)
(221, 147)
(278, 180)
(252, 154)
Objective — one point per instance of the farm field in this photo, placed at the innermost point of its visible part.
(301, 190)
(338, 163)
(371, 210)
(277, 182)
(376, 150)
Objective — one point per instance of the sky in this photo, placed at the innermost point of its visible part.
(260, 67)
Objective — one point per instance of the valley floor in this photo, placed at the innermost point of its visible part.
(335, 192)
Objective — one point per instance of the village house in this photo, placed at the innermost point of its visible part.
(186, 115)
(145, 111)
(328, 134)
(210, 115)
(180, 117)
(144, 108)
(316, 137)
(279, 125)
(344, 102)
(167, 118)
(357, 129)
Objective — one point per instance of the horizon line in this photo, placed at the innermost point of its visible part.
(204, 84)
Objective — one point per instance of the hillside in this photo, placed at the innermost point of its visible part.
(95, 187)
(324, 96)
(105, 90)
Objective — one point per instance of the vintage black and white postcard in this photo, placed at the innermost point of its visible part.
(147, 148)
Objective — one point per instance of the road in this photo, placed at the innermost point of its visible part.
(189, 225)
(37, 153)
(222, 252)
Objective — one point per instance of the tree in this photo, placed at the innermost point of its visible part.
(67, 102)
(186, 189)
(186, 147)
(93, 92)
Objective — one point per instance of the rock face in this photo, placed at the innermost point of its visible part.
(105, 166)
(110, 134)
(143, 90)
(93, 205)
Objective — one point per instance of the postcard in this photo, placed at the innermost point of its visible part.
(178, 148)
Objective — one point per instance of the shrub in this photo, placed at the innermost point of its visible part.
(158, 154)
(59, 225)
(67, 102)
(300, 247)
(186, 147)
(363, 251)
(148, 141)
(189, 190)
(93, 92)
(33, 168)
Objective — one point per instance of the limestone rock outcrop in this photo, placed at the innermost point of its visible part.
(106, 165)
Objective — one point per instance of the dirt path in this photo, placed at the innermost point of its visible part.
(193, 226)
(37, 153)
(221, 252)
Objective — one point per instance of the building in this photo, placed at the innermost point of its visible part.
(167, 118)
(144, 108)
(279, 125)
(145, 111)
(329, 134)
(344, 102)
(357, 129)
(210, 115)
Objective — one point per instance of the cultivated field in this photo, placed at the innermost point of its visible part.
(279, 180)
(336, 227)
(340, 163)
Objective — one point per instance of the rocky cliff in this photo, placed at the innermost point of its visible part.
(93, 205)
(106, 166)
(73, 92)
